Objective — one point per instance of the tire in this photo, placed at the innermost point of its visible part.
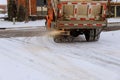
(57, 39)
(97, 34)
(92, 35)
(74, 33)
(63, 38)
(89, 35)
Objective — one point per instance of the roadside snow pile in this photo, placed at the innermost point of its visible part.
(3, 2)
(2, 15)
(8, 24)
(116, 0)
(113, 20)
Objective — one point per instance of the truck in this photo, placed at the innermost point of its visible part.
(71, 18)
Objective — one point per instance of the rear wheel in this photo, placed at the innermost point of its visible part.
(57, 39)
(92, 35)
(74, 33)
(97, 34)
(63, 38)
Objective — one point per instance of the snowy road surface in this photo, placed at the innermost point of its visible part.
(39, 58)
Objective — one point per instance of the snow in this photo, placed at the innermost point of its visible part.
(116, 0)
(3, 2)
(40, 58)
(1, 15)
(113, 20)
(22, 24)
(1, 9)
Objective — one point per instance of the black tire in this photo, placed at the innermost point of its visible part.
(92, 35)
(89, 35)
(70, 38)
(63, 38)
(57, 39)
(74, 33)
(97, 34)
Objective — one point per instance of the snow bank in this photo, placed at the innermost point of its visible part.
(113, 20)
(2, 15)
(3, 2)
(116, 0)
(8, 24)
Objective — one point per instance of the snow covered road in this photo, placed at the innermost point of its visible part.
(39, 58)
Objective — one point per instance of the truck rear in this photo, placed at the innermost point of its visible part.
(74, 17)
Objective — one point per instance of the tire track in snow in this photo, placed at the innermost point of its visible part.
(93, 52)
(59, 72)
(61, 56)
(25, 60)
(66, 50)
(60, 65)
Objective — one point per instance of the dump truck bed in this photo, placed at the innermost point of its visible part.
(81, 14)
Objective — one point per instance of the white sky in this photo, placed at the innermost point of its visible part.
(3, 1)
